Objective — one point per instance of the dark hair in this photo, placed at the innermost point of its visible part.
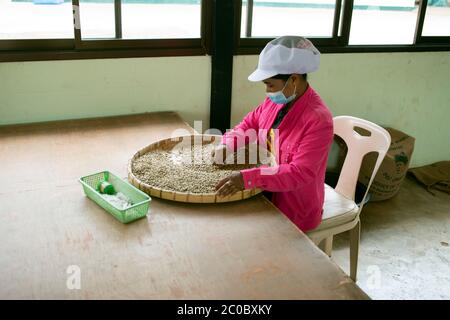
(286, 76)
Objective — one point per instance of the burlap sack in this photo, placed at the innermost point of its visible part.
(393, 169)
(434, 176)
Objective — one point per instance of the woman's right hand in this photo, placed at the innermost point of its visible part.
(219, 154)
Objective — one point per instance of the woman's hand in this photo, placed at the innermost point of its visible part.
(230, 185)
(219, 154)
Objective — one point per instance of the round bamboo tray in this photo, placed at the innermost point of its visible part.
(153, 191)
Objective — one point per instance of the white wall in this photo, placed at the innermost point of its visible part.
(406, 91)
(55, 90)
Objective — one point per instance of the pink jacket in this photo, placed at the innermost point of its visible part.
(305, 137)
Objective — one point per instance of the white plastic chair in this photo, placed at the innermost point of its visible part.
(340, 212)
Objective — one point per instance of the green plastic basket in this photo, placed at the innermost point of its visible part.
(140, 200)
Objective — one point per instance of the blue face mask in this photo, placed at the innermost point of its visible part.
(279, 97)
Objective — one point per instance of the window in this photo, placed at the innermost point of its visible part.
(138, 24)
(38, 19)
(383, 22)
(140, 19)
(437, 18)
(44, 29)
(347, 25)
(271, 18)
(97, 19)
(37, 29)
(176, 19)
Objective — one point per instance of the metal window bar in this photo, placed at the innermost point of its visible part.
(337, 19)
(347, 12)
(206, 26)
(118, 18)
(249, 21)
(420, 20)
(76, 23)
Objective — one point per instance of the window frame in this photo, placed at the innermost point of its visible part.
(78, 48)
(420, 39)
(339, 42)
(248, 43)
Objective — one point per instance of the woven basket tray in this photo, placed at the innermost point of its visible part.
(168, 144)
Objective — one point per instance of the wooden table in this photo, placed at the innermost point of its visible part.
(241, 250)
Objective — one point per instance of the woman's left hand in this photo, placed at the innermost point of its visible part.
(230, 185)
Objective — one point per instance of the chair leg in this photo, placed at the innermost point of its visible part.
(354, 250)
(326, 245)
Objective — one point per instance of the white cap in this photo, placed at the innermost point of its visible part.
(286, 55)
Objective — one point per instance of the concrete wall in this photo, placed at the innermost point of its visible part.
(55, 90)
(406, 91)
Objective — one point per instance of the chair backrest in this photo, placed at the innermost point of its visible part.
(358, 146)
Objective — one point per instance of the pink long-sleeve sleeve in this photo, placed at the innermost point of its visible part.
(305, 136)
(240, 135)
(303, 167)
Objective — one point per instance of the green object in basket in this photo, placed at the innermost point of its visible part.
(106, 187)
(140, 200)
